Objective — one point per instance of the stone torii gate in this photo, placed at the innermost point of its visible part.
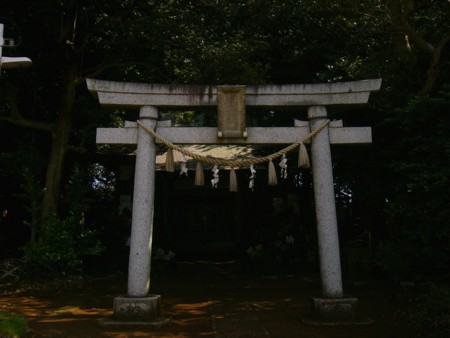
(140, 307)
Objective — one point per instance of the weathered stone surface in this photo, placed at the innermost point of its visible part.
(132, 312)
(231, 111)
(137, 308)
(95, 85)
(324, 197)
(341, 309)
(124, 94)
(143, 204)
(255, 135)
(316, 96)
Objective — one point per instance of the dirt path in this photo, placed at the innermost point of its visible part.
(203, 299)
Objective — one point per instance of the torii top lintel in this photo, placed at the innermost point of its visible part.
(135, 95)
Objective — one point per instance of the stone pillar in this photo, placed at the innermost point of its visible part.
(332, 308)
(324, 197)
(143, 204)
(139, 308)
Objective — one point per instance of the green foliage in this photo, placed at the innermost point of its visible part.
(63, 241)
(103, 183)
(418, 211)
(395, 261)
(77, 198)
(21, 166)
(429, 311)
(245, 42)
(31, 196)
(62, 245)
(437, 311)
(12, 325)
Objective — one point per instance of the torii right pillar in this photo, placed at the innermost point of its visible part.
(332, 307)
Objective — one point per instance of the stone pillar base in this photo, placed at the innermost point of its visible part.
(338, 311)
(135, 311)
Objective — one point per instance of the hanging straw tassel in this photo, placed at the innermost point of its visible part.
(233, 181)
(272, 174)
(169, 160)
(303, 158)
(199, 179)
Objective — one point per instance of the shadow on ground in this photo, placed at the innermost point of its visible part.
(203, 299)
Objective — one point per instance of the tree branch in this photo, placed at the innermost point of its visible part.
(417, 39)
(443, 42)
(23, 122)
(17, 118)
(433, 68)
(94, 71)
(399, 12)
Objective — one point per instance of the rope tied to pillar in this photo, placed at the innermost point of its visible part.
(303, 161)
(233, 163)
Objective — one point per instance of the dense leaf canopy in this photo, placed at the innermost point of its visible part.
(399, 184)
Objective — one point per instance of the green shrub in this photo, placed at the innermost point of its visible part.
(12, 325)
(393, 261)
(62, 245)
(417, 206)
(64, 238)
(431, 313)
(437, 305)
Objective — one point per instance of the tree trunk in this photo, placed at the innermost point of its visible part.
(54, 172)
(60, 142)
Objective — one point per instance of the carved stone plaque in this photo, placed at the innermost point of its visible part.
(231, 110)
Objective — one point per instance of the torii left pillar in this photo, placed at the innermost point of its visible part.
(139, 307)
(143, 207)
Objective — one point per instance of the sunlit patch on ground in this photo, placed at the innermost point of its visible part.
(203, 300)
